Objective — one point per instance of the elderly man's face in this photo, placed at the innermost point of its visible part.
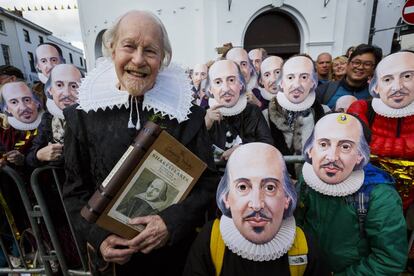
(47, 58)
(20, 102)
(65, 80)
(323, 64)
(334, 152)
(297, 79)
(224, 82)
(395, 83)
(256, 198)
(199, 74)
(154, 190)
(239, 56)
(138, 53)
(270, 70)
(256, 57)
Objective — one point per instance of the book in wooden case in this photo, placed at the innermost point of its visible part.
(161, 173)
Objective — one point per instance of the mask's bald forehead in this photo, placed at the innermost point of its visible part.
(339, 126)
(65, 72)
(271, 63)
(298, 65)
(223, 68)
(255, 159)
(394, 63)
(237, 55)
(15, 89)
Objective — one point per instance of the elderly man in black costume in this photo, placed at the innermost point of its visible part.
(127, 88)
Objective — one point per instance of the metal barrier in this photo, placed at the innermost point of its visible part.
(33, 216)
(34, 180)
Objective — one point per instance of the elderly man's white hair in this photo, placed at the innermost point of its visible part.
(110, 37)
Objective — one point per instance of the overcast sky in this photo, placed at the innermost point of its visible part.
(63, 23)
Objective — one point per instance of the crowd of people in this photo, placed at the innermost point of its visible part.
(347, 210)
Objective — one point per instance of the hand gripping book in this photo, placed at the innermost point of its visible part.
(154, 173)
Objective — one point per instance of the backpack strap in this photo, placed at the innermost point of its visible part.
(217, 247)
(298, 254)
(361, 203)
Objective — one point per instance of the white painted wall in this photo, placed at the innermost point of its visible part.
(197, 27)
(9, 37)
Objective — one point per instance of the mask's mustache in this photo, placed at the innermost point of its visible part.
(257, 213)
(227, 93)
(273, 84)
(298, 89)
(398, 93)
(331, 164)
(26, 110)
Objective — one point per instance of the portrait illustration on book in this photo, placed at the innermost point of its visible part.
(156, 185)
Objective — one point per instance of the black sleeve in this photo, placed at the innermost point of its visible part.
(255, 127)
(181, 219)
(199, 261)
(316, 265)
(40, 141)
(79, 185)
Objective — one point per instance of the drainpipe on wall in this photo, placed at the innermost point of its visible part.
(372, 25)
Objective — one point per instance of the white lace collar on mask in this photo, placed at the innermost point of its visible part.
(384, 110)
(171, 94)
(346, 187)
(246, 249)
(16, 124)
(266, 94)
(231, 111)
(54, 109)
(288, 105)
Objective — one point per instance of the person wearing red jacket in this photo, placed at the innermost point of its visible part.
(390, 115)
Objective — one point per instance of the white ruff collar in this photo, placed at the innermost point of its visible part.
(54, 109)
(266, 94)
(384, 110)
(16, 124)
(171, 94)
(346, 187)
(42, 78)
(269, 251)
(231, 111)
(288, 105)
(252, 83)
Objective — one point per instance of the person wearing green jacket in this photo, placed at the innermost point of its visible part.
(349, 206)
